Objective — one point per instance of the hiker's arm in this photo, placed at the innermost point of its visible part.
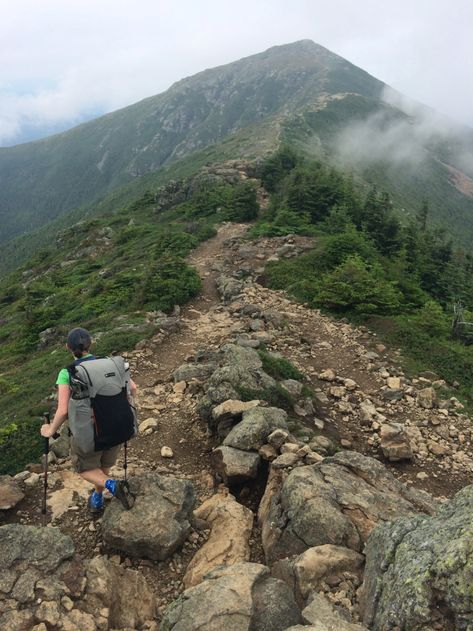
(132, 387)
(50, 429)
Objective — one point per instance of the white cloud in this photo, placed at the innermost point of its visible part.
(83, 56)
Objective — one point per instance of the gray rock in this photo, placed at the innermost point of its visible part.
(41, 574)
(10, 492)
(247, 342)
(253, 431)
(306, 572)
(292, 386)
(124, 593)
(323, 616)
(234, 465)
(277, 438)
(187, 372)
(286, 460)
(61, 446)
(229, 287)
(418, 565)
(44, 548)
(276, 318)
(241, 369)
(395, 443)
(392, 394)
(427, 398)
(238, 598)
(338, 501)
(159, 522)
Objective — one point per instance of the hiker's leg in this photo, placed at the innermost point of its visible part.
(96, 477)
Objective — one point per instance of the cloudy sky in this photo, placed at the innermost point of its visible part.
(64, 61)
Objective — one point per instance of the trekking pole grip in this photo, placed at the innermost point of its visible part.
(47, 418)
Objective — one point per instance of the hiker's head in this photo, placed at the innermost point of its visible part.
(79, 341)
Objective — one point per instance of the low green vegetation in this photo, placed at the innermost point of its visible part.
(279, 367)
(276, 396)
(116, 275)
(401, 277)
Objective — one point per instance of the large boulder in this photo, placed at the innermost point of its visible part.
(229, 541)
(243, 597)
(234, 465)
(45, 585)
(241, 370)
(337, 501)
(419, 570)
(10, 492)
(257, 424)
(159, 522)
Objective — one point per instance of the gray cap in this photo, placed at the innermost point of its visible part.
(79, 340)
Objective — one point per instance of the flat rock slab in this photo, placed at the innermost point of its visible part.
(239, 598)
(418, 565)
(159, 522)
(229, 541)
(338, 501)
(232, 408)
(10, 492)
(45, 548)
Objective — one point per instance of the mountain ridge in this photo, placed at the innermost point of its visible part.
(253, 105)
(75, 167)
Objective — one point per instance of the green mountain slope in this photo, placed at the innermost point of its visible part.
(46, 178)
(118, 274)
(299, 94)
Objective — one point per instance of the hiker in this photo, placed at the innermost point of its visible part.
(96, 395)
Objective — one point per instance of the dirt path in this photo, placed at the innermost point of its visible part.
(310, 340)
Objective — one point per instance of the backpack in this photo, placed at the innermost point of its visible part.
(100, 413)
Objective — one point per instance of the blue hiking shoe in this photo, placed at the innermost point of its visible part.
(121, 490)
(96, 503)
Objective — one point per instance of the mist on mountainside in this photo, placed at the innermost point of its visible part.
(404, 134)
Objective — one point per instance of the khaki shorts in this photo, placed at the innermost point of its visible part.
(93, 460)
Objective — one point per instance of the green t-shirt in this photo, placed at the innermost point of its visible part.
(63, 377)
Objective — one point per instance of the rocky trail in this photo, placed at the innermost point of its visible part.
(273, 441)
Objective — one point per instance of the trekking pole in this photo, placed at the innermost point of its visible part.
(125, 466)
(47, 418)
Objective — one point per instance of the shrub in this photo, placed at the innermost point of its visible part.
(355, 286)
(339, 247)
(243, 205)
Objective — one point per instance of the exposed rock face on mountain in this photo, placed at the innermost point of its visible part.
(297, 91)
(419, 569)
(194, 113)
(44, 583)
(338, 501)
(239, 598)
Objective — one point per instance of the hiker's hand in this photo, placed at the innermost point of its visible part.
(46, 430)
